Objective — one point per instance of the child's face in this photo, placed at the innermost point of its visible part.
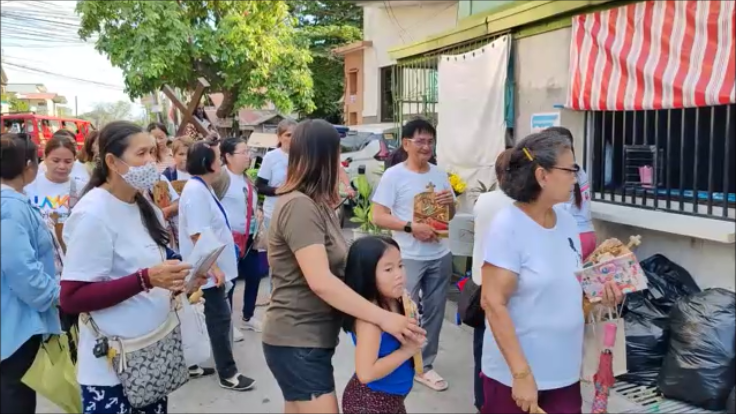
(180, 158)
(390, 277)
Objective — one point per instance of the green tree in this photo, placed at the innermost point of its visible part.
(15, 104)
(247, 50)
(106, 112)
(323, 26)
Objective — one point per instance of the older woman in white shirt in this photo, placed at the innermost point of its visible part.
(532, 353)
(240, 202)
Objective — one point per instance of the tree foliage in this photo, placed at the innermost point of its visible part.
(106, 112)
(323, 26)
(248, 50)
(15, 104)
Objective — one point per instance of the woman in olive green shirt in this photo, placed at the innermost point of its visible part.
(307, 254)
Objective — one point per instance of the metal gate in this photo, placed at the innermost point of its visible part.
(414, 83)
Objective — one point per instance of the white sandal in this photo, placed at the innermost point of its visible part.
(433, 380)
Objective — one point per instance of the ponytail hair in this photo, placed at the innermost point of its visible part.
(567, 134)
(114, 139)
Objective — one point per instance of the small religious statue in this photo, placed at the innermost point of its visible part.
(427, 210)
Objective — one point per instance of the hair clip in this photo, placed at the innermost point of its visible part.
(528, 154)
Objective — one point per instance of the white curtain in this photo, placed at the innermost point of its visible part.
(471, 125)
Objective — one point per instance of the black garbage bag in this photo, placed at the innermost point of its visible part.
(731, 403)
(667, 281)
(700, 365)
(646, 317)
(646, 345)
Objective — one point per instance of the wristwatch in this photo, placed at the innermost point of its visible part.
(407, 227)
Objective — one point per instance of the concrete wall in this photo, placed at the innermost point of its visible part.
(542, 77)
(391, 27)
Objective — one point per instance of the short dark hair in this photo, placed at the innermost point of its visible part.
(360, 270)
(417, 125)
(200, 158)
(520, 181)
(228, 146)
(60, 141)
(17, 150)
(157, 125)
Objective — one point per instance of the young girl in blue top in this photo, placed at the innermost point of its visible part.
(384, 371)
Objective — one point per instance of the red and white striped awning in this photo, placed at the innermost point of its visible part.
(653, 55)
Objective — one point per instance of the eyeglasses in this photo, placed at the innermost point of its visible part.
(422, 142)
(573, 170)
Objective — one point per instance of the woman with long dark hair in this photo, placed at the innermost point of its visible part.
(116, 270)
(307, 253)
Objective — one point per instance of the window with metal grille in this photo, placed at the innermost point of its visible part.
(675, 160)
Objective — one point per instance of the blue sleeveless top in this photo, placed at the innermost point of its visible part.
(401, 380)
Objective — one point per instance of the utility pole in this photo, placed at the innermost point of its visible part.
(76, 107)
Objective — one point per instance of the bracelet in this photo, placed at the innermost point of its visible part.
(142, 279)
(521, 375)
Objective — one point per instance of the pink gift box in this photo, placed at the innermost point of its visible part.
(624, 270)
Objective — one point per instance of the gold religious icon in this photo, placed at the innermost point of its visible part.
(427, 210)
(161, 195)
(178, 185)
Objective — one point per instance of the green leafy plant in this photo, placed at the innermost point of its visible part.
(482, 188)
(363, 210)
(250, 51)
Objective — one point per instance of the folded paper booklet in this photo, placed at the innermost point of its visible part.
(612, 261)
(203, 256)
(410, 311)
(427, 210)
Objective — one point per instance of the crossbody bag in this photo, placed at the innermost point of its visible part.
(149, 367)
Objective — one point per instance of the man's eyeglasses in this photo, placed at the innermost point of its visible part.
(422, 142)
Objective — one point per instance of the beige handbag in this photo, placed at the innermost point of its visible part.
(593, 343)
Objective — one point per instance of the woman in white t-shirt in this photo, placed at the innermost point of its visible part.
(55, 190)
(116, 267)
(532, 353)
(200, 210)
(240, 202)
(162, 153)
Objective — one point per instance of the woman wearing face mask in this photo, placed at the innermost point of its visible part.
(240, 201)
(116, 268)
(29, 289)
(55, 190)
(200, 209)
(532, 351)
(163, 154)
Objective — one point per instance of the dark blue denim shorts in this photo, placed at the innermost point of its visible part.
(302, 373)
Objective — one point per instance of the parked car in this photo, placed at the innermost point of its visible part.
(366, 147)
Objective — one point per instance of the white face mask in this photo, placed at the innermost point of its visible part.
(142, 177)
